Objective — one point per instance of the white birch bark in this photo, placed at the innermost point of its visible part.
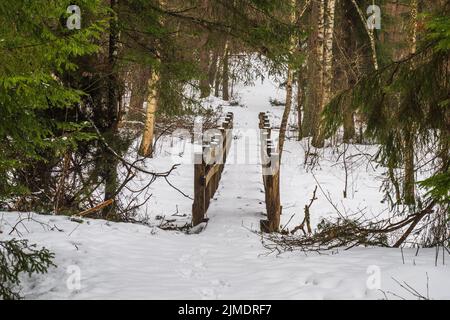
(146, 147)
(325, 63)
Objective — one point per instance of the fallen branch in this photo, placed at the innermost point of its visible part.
(96, 208)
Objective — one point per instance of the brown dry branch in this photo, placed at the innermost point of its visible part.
(96, 208)
(346, 233)
(306, 219)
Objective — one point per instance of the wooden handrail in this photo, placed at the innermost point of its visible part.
(207, 175)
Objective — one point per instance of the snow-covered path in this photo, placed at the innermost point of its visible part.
(226, 260)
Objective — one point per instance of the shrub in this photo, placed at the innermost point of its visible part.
(16, 257)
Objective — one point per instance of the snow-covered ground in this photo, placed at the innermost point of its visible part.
(226, 260)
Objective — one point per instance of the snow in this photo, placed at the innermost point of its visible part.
(227, 260)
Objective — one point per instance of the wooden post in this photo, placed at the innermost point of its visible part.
(215, 177)
(272, 180)
(261, 120)
(274, 219)
(208, 185)
(224, 146)
(198, 207)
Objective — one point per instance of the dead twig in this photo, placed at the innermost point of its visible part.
(306, 219)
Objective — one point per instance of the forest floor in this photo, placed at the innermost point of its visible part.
(227, 260)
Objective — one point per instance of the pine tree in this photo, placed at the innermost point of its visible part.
(37, 51)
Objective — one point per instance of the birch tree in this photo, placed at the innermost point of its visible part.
(146, 147)
(325, 38)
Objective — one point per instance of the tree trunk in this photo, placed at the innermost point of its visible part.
(408, 189)
(287, 111)
(370, 33)
(204, 57)
(314, 66)
(212, 74)
(289, 81)
(139, 92)
(225, 74)
(346, 73)
(349, 126)
(146, 147)
(300, 100)
(217, 81)
(325, 62)
(110, 162)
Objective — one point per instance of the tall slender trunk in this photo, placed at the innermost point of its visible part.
(139, 92)
(408, 188)
(60, 190)
(212, 73)
(146, 147)
(218, 76)
(153, 100)
(289, 81)
(309, 94)
(326, 57)
(217, 82)
(300, 100)
(346, 74)
(205, 89)
(225, 74)
(314, 68)
(110, 162)
(287, 111)
(328, 51)
(349, 126)
(318, 70)
(113, 96)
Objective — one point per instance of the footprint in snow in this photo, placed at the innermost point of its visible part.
(220, 283)
(192, 266)
(208, 293)
(314, 282)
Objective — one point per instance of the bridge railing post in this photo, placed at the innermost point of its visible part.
(198, 207)
(208, 167)
(271, 177)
